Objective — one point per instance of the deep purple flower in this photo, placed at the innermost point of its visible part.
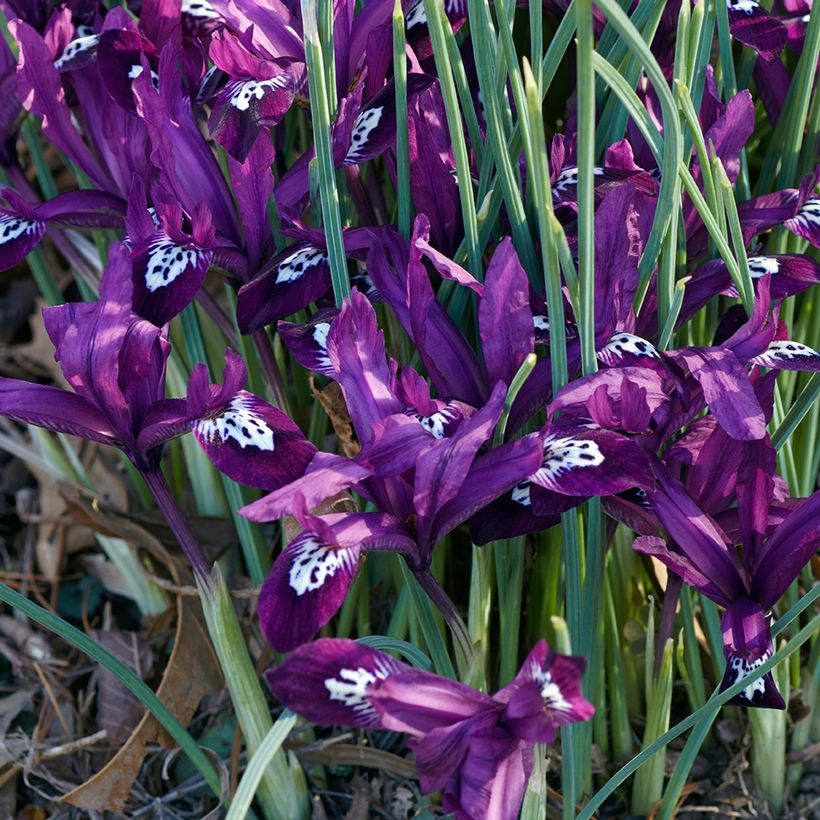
(420, 464)
(798, 210)
(115, 364)
(258, 93)
(475, 748)
(773, 555)
(23, 224)
(751, 25)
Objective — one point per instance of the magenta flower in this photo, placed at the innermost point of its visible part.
(475, 748)
(115, 364)
(774, 551)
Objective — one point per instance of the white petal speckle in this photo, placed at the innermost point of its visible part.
(564, 454)
(626, 344)
(363, 127)
(76, 47)
(296, 265)
(239, 422)
(13, 227)
(167, 261)
(762, 265)
(242, 93)
(314, 563)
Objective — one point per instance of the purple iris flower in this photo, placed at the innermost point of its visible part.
(115, 364)
(798, 210)
(258, 93)
(475, 748)
(170, 263)
(23, 224)
(420, 465)
(773, 554)
(752, 25)
(60, 71)
(293, 278)
(364, 128)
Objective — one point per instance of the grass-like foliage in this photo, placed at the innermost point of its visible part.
(434, 422)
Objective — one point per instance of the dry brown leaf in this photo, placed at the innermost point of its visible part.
(118, 710)
(333, 401)
(148, 530)
(191, 673)
(339, 503)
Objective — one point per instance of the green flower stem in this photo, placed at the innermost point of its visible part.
(797, 412)
(436, 21)
(709, 711)
(691, 118)
(425, 617)
(648, 785)
(329, 194)
(517, 383)
(668, 331)
(715, 233)
(768, 727)
(509, 571)
(728, 78)
(536, 149)
(746, 289)
(479, 608)
(616, 684)
(265, 756)
(586, 183)
(229, 643)
(781, 161)
(485, 49)
(613, 118)
(402, 139)
(282, 791)
(672, 141)
(697, 36)
(124, 675)
(458, 629)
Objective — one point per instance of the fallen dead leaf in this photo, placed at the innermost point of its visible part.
(191, 673)
(118, 709)
(333, 401)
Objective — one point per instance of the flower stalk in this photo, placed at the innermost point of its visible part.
(229, 643)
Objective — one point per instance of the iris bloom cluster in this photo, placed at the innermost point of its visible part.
(174, 119)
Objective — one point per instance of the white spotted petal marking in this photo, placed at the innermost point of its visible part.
(238, 422)
(762, 265)
(314, 563)
(320, 331)
(415, 17)
(167, 261)
(521, 494)
(350, 686)
(809, 214)
(624, 344)
(199, 8)
(436, 424)
(568, 178)
(13, 227)
(76, 47)
(296, 265)
(743, 668)
(748, 7)
(551, 693)
(243, 92)
(562, 454)
(363, 127)
(778, 352)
